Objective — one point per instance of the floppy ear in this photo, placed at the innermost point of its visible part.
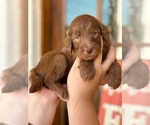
(68, 40)
(106, 40)
(104, 32)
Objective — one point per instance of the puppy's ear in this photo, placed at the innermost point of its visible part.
(104, 32)
(106, 40)
(69, 43)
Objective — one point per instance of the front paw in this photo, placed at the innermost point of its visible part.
(87, 70)
(114, 75)
(63, 94)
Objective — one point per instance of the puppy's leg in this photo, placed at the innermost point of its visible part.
(87, 70)
(12, 83)
(137, 75)
(114, 75)
(57, 71)
(60, 90)
(37, 82)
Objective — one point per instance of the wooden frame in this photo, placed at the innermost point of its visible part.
(53, 35)
(53, 25)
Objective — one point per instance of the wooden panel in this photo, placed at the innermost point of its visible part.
(45, 44)
(99, 9)
(53, 25)
(53, 35)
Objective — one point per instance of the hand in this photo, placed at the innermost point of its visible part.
(78, 88)
(132, 56)
(42, 107)
(44, 95)
(14, 106)
(80, 105)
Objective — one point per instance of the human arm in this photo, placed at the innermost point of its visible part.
(13, 106)
(42, 107)
(81, 93)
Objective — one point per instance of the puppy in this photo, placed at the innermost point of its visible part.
(83, 40)
(16, 76)
(137, 76)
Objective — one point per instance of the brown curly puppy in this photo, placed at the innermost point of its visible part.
(83, 40)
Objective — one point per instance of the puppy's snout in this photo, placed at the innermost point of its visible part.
(88, 50)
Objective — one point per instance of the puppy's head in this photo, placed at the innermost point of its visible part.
(84, 35)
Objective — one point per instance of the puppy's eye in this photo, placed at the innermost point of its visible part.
(76, 37)
(94, 33)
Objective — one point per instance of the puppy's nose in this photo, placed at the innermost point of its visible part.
(88, 50)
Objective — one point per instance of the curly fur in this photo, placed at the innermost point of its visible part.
(82, 40)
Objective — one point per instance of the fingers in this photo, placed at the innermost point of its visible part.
(132, 56)
(98, 60)
(133, 51)
(110, 59)
(101, 44)
(75, 66)
(76, 62)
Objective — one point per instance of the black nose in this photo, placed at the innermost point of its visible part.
(88, 50)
